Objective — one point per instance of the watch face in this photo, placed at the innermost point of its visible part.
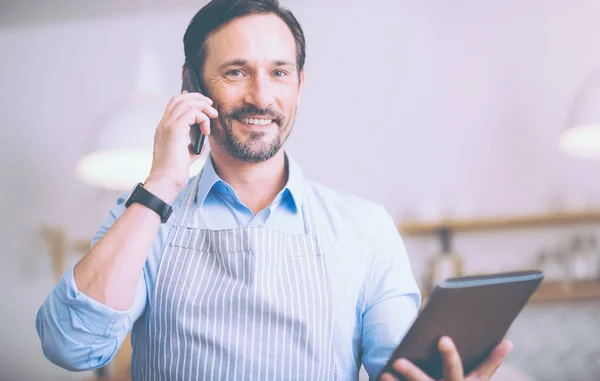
(131, 193)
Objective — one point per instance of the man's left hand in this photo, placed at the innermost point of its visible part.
(453, 369)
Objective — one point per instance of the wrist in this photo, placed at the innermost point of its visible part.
(164, 189)
(139, 194)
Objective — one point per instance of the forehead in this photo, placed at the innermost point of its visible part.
(252, 38)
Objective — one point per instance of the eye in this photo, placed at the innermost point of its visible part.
(279, 73)
(234, 73)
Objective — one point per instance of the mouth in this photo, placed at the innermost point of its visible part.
(256, 122)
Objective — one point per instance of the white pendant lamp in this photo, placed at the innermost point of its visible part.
(121, 151)
(582, 135)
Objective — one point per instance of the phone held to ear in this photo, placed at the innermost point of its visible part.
(475, 311)
(192, 85)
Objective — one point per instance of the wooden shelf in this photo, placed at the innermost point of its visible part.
(556, 292)
(506, 222)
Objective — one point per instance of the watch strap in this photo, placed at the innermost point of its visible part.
(142, 196)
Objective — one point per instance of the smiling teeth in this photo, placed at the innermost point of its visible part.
(257, 122)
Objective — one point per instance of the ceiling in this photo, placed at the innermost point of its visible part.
(26, 12)
(15, 13)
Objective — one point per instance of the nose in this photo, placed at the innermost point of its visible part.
(258, 92)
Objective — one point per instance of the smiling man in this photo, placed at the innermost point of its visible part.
(259, 274)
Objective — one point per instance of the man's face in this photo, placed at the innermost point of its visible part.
(250, 74)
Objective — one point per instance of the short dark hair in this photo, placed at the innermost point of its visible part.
(219, 12)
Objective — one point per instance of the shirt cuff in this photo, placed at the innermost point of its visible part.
(89, 315)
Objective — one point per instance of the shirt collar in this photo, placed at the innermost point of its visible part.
(294, 185)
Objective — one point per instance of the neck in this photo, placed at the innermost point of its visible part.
(256, 184)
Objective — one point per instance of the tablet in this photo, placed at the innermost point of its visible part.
(475, 311)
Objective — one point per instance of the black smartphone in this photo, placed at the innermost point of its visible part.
(475, 311)
(192, 85)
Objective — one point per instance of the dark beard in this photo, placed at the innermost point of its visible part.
(251, 151)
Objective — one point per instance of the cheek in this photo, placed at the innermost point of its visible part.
(288, 99)
(227, 97)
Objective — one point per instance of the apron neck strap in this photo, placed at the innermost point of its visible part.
(187, 205)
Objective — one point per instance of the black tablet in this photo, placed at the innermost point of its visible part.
(475, 311)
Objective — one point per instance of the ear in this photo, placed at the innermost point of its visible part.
(182, 72)
(301, 85)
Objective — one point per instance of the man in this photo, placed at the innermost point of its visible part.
(258, 274)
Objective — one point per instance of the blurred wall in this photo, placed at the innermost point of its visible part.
(429, 108)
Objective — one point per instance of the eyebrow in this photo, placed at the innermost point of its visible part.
(241, 62)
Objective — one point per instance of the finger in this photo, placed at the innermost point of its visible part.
(181, 109)
(192, 117)
(198, 95)
(205, 126)
(204, 107)
(194, 95)
(185, 123)
(171, 105)
(184, 96)
(204, 121)
(387, 377)
(494, 360)
(195, 108)
(410, 371)
(452, 364)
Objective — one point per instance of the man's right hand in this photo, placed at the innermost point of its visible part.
(172, 156)
(111, 271)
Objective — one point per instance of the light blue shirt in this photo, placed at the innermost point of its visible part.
(375, 296)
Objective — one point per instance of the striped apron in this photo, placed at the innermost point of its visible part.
(239, 304)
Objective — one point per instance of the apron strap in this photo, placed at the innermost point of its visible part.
(183, 215)
(308, 212)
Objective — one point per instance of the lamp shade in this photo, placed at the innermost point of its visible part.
(582, 135)
(120, 153)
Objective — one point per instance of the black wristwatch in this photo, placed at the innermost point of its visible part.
(140, 195)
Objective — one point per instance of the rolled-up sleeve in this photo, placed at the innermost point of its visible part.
(392, 298)
(78, 332)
